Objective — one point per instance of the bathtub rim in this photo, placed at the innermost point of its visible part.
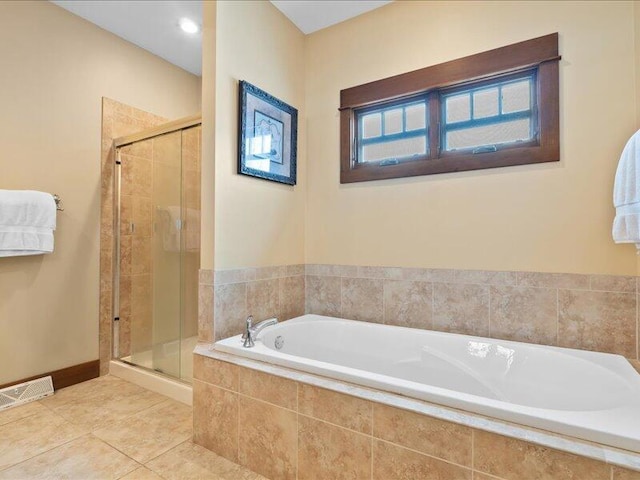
(601, 452)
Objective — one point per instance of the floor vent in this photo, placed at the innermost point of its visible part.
(25, 392)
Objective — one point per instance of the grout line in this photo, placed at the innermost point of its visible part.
(473, 448)
(336, 425)
(490, 312)
(238, 427)
(384, 302)
(371, 404)
(341, 290)
(433, 306)
(371, 465)
(297, 429)
(557, 316)
(425, 454)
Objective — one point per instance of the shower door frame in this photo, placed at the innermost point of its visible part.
(166, 128)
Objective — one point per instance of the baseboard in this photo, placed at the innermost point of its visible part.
(66, 377)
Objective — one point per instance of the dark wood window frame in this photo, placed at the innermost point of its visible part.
(539, 55)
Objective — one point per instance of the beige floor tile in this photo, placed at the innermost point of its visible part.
(142, 473)
(34, 435)
(106, 385)
(84, 458)
(151, 432)
(190, 461)
(101, 410)
(23, 411)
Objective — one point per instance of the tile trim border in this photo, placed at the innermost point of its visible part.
(571, 281)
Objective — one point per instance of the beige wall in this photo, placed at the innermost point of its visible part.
(257, 223)
(207, 179)
(636, 23)
(56, 69)
(552, 217)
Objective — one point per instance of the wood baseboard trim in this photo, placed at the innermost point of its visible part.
(66, 377)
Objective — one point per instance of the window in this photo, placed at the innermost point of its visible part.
(494, 109)
(391, 132)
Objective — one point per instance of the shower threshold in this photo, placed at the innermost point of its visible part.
(153, 369)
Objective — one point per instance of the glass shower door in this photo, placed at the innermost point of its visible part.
(151, 253)
(159, 252)
(167, 253)
(191, 142)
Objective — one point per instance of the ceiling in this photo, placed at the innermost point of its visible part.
(150, 24)
(312, 15)
(153, 24)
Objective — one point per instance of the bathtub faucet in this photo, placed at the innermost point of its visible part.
(251, 332)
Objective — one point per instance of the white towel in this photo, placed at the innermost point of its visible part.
(27, 222)
(626, 194)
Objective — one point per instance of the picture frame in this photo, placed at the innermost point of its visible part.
(267, 136)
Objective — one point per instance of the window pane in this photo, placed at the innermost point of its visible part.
(415, 116)
(393, 121)
(407, 147)
(516, 96)
(485, 103)
(458, 108)
(489, 134)
(371, 125)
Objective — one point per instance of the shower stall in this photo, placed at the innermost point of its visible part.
(157, 248)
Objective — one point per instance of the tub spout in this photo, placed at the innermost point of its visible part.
(251, 331)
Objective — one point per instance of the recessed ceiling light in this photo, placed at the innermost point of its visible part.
(188, 26)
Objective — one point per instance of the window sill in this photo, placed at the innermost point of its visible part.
(460, 162)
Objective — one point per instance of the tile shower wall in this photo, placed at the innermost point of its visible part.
(145, 164)
(136, 267)
(589, 312)
(284, 429)
(118, 120)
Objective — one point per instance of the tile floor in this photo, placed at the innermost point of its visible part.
(107, 428)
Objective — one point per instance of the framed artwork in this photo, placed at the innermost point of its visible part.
(267, 136)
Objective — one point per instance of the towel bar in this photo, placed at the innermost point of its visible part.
(58, 201)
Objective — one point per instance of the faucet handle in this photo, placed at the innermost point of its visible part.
(247, 340)
(247, 328)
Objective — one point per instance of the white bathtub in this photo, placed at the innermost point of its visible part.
(593, 396)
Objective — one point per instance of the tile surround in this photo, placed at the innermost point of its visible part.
(329, 451)
(461, 308)
(524, 314)
(347, 411)
(513, 459)
(230, 296)
(423, 434)
(394, 442)
(215, 419)
(600, 321)
(267, 438)
(118, 120)
(593, 312)
(396, 463)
